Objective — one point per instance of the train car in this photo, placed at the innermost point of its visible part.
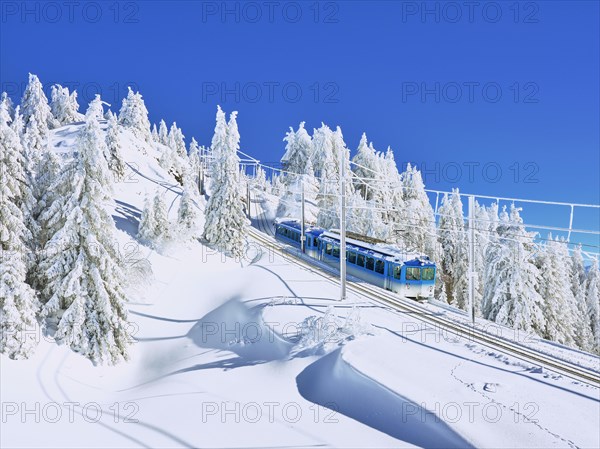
(410, 275)
(288, 231)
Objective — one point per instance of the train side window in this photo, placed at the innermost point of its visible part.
(379, 267)
(351, 257)
(360, 260)
(336, 252)
(397, 271)
(370, 263)
(328, 249)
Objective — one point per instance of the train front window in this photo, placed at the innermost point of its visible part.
(370, 263)
(336, 252)
(413, 274)
(351, 257)
(397, 271)
(379, 267)
(427, 274)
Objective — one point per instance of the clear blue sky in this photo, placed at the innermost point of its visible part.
(366, 66)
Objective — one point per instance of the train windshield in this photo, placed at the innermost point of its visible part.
(413, 274)
(427, 274)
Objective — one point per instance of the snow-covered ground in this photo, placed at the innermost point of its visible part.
(260, 353)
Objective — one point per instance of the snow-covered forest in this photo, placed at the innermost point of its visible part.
(62, 268)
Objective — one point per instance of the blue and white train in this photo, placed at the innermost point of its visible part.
(410, 275)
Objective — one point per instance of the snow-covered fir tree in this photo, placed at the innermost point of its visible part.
(154, 133)
(261, 183)
(163, 133)
(134, 116)
(387, 194)
(7, 103)
(22, 174)
(187, 214)
(454, 260)
(176, 141)
(417, 219)
(482, 238)
(593, 302)
(154, 223)
(37, 117)
(194, 162)
(64, 105)
(225, 224)
(113, 145)
(322, 151)
(511, 280)
(34, 103)
(298, 151)
(17, 125)
(96, 108)
(365, 167)
(80, 271)
(554, 265)
(18, 302)
(49, 168)
(583, 330)
(329, 190)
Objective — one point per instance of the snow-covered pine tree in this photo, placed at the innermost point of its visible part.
(482, 239)
(134, 116)
(225, 225)
(365, 167)
(555, 289)
(593, 302)
(80, 270)
(298, 152)
(18, 126)
(154, 133)
(113, 145)
(329, 191)
(194, 162)
(21, 173)
(177, 141)
(510, 294)
(35, 104)
(154, 223)
(356, 214)
(49, 168)
(7, 103)
(187, 214)
(18, 302)
(454, 261)
(584, 338)
(388, 193)
(96, 108)
(64, 106)
(417, 218)
(163, 133)
(322, 150)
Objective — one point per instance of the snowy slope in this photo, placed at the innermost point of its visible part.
(260, 353)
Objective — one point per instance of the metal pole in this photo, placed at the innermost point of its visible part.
(302, 236)
(342, 226)
(472, 273)
(248, 195)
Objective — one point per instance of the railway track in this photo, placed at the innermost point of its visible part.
(472, 333)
